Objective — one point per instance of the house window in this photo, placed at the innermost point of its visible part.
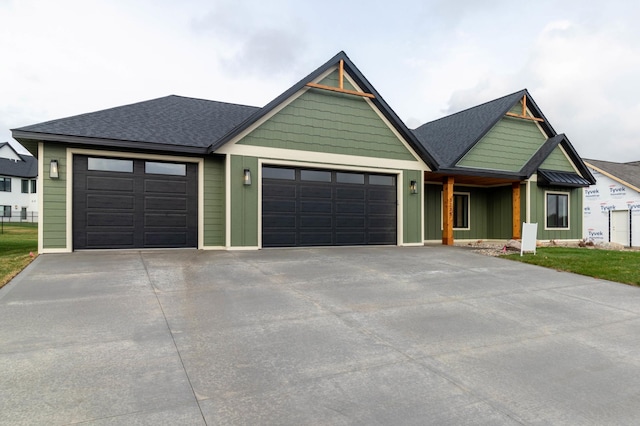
(6, 211)
(557, 210)
(460, 211)
(25, 186)
(5, 184)
(34, 185)
(23, 213)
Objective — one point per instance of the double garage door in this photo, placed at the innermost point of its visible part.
(134, 203)
(313, 207)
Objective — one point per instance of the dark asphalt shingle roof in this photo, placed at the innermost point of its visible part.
(26, 167)
(450, 137)
(171, 120)
(628, 172)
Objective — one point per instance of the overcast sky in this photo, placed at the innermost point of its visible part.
(579, 59)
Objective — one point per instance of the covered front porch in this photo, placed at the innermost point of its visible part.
(472, 207)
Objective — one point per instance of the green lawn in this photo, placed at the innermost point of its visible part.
(17, 240)
(612, 265)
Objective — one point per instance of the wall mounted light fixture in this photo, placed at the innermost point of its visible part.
(413, 187)
(53, 170)
(247, 177)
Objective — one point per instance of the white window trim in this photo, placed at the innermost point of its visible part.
(468, 194)
(546, 213)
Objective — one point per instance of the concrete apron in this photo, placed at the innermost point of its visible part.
(423, 335)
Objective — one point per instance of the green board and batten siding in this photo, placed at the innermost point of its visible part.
(538, 213)
(507, 146)
(490, 213)
(214, 202)
(54, 208)
(244, 202)
(412, 220)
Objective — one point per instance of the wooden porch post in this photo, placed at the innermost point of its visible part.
(515, 208)
(447, 211)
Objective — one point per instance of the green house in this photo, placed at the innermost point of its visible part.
(326, 163)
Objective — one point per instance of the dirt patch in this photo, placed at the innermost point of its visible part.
(497, 248)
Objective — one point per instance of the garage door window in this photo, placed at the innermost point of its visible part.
(356, 178)
(315, 175)
(383, 180)
(109, 165)
(278, 173)
(171, 169)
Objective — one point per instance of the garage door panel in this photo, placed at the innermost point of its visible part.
(317, 222)
(110, 239)
(279, 221)
(280, 239)
(316, 206)
(384, 195)
(323, 208)
(132, 209)
(118, 202)
(109, 219)
(316, 239)
(165, 239)
(351, 238)
(350, 194)
(165, 221)
(280, 206)
(165, 186)
(316, 191)
(279, 191)
(103, 183)
(165, 203)
(350, 222)
(350, 208)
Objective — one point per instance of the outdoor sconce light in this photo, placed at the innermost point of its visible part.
(53, 169)
(413, 187)
(247, 177)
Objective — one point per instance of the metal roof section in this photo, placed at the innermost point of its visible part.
(562, 179)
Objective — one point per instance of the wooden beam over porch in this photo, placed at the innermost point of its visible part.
(447, 210)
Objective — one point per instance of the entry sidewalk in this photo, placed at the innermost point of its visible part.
(421, 335)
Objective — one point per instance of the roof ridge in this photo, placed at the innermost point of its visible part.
(523, 91)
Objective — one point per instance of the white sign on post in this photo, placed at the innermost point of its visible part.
(529, 234)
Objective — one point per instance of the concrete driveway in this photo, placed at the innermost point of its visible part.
(425, 335)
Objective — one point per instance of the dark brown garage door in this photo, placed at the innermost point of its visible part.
(309, 207)
(133, 203)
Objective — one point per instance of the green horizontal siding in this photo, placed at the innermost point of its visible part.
(324, 121)
(557, 161)
(54, 208)
(507, 146)
(214, 201)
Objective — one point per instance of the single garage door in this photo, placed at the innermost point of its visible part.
(133, 203)
(311, 207)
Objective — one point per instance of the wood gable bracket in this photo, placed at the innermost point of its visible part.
(340, 88)
(524, 115)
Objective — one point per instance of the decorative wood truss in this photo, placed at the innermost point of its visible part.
(524, 115)
(340, 88)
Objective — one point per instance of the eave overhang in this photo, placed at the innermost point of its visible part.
(22, 136)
